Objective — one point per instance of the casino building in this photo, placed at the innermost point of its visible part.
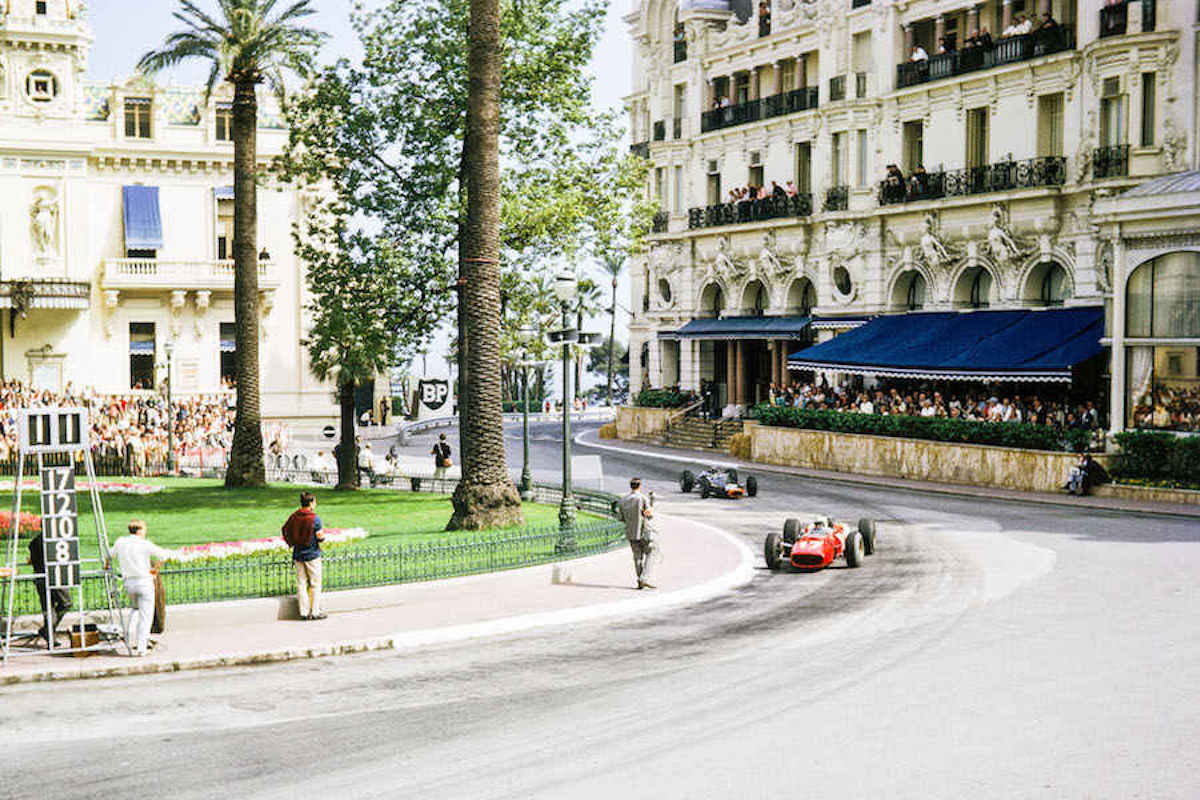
(116, 227)
(1045, 227)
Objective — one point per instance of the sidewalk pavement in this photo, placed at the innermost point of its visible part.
(698, 562)
(710, 457)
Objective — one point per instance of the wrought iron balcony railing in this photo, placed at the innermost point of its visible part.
(788, 102)
(837, 198)
(799, 205)
(1110, 162)
(660, 130)
(659, 223)
(776, 105)
(1010, 50)
(999, 177)
(641, 149)
(680, 50)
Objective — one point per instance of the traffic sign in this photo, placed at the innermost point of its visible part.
(329, 431)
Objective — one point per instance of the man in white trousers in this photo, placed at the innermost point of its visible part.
(135, 554)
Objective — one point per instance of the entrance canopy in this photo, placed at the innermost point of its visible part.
(761, 327)
(1010, 345)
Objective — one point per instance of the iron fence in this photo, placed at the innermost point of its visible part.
(798, 205)
(660, 222)
(999, 177)
(1110, 162)
(791, 101)
(640, 149)
(837, 198)
(361, 566)
(1009, 50)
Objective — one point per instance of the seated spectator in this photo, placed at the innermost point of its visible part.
(918, 54)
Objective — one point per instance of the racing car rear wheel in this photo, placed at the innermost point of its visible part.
(686, 481)
(751, 486)
(771, 551)
(705, 488)
(867, 528)
(855, 549)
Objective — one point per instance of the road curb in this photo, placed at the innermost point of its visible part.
(863, 480)
(647, 603)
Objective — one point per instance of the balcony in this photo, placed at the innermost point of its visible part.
(680, 50)
(837, 88)
(660, 130)
(161, 273)
(1011, 50)
(754, 110)
(1003, 176)
(1114, 19)
(1110, 162)
(837, 198)
(659, 223)
(788, 102)
(799, 205)
(677, 128)
(640, 149)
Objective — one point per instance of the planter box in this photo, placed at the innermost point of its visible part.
(633, 421)
(913, 459)
(1149, 494)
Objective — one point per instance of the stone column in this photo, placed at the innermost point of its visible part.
(909, 40)
(802, 72)
(779, 87)
(741, 372)
(1006, 16)
(939, 31)
(972, 20)
(773, 349)
(1116, 389)
(730, 371)
(783, 357)
(755, 88)
(1043, 7)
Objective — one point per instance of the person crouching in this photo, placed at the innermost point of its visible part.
(302, 532)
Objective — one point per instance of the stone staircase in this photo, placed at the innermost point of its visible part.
(696, 434)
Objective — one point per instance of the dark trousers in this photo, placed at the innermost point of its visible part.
(60, 603)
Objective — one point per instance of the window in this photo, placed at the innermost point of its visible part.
(860, 173)
(39, 8)
(137, 117)
(914, 295)
(680, 108)
(660, 186)
(41, 86)
(914, 145)
(837, 159)
(141, 355)
(1148, 108)
(741, 87)
(756, 169)
(1112, 114)
(977, 137)
(678, 206)
(804, 167)
(1050, 125)
(224, 229)
(714, 183)
(787, 75)
(224, 118)
(1163, 298)
(228, 353)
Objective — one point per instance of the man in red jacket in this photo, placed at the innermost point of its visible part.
(302, 532)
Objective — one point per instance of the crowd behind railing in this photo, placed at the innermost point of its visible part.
(1167, 408)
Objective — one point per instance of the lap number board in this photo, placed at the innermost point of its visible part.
(60, 526)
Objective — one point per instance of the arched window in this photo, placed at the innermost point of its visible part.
(802, 297)
(1048, 285)
(756, 299)
(1162, 298)
(712, 300)
(910, 291)
(974, 288)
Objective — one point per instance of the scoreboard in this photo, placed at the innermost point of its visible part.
(60, 526)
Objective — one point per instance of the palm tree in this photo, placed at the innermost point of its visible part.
(613, 264)
(486, 496)
(245, 44)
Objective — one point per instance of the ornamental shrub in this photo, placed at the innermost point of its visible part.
(999, 434)
(1145, 454)
(1183, 464)
(664, 398)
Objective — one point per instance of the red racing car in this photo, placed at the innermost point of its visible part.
(817, 544)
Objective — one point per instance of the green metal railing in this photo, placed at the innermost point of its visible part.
(360, 566)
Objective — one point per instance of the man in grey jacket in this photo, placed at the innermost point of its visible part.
(635, 509)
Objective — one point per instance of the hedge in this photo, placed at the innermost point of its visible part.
(1000, 434)
(664, 398)
(1159, 456)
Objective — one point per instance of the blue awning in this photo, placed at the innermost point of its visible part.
(743, 328)
(143, 222)
(1009, 345)
(141, 347)
(223, 192)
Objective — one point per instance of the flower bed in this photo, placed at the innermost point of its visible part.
(104, 487)
(28, 525)
(248, 548)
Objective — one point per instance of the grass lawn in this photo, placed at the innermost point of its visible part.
(197, 511)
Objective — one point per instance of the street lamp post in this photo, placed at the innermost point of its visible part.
(526, 335)
(170, 350)
(564, 291)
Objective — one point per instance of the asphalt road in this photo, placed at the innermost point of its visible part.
(986, 650)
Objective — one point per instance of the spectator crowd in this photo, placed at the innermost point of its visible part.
(1168, 408)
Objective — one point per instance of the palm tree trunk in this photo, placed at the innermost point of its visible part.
(246, 455)
(486, 496)
(612, 331)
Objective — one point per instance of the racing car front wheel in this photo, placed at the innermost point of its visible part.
(855, 549)
(867, 528)
(771, 551)
(686, 481)
(751, 486)
(705, 488)
(791, 530)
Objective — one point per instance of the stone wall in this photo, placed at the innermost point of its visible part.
(914, 459)
(633, 422)
(1149, 494)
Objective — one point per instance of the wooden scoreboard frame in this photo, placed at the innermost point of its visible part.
(58, 431)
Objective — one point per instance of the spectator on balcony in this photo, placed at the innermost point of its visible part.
(985, 39)
(918, 182)
(790, 189)
(1048, 22)
(893, 184)
(918, 54)
(945, 46)
(777, 190)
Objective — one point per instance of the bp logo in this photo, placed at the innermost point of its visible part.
(433, 393)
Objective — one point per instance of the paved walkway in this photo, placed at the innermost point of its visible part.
(683, 456)
(698, 562)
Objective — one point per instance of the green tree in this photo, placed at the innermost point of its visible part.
(246, 43)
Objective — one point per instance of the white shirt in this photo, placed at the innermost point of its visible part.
(134, 554)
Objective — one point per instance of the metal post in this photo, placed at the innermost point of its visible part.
(170, 416)
(566, 509)
(526, 476)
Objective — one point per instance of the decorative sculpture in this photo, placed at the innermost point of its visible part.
(1001, 243)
